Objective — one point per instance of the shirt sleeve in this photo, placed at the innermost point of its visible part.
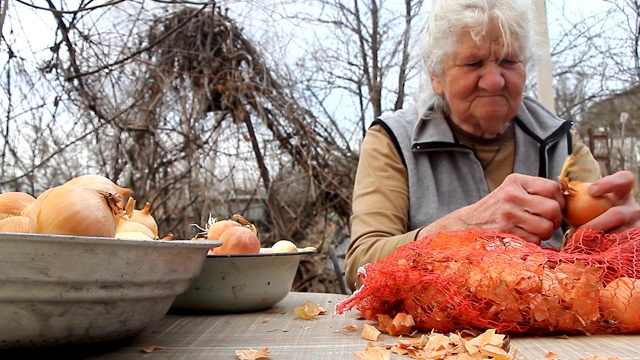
(380, 208)
(586, 168)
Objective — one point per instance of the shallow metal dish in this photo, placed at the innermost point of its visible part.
(64, 290)
(241, 283)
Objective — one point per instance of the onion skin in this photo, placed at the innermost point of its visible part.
(218, 227)
(580, 207)
(238, 240)
(144, 217)
(13, 203)
(128, 226)
(620, 302)
(133, 235)
(284, 246)
(101, 183)
(74, 210)
(15, 224)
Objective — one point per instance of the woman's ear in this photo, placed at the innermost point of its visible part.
(436, 84)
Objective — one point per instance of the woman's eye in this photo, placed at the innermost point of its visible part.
(474, 64)
(508, 62)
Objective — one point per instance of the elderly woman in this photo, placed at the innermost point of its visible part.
(474, 152)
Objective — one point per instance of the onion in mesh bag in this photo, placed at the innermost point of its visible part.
(480, 279)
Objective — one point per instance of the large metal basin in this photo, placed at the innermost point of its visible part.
(59, 290)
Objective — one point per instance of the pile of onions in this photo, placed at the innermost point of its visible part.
(581, 207)
(75, 210)
(87, 205)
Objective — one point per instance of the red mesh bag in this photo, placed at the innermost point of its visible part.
(479, 279)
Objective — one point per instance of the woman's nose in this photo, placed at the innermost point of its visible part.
(491, 77)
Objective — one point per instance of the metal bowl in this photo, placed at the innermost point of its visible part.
(241, 283)
(67, 290)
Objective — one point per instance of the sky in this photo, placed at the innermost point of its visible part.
(34, 28)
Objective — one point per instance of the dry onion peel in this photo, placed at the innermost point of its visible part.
(467, 344)
(101, 183)
(215, 227)
(581, 207)
(252, 354)
(308, 311)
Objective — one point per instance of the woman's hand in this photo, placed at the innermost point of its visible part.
(625, 212)
(526, 206)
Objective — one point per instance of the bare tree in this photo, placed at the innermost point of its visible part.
(183, 109)
(363, 54)
(191, 110)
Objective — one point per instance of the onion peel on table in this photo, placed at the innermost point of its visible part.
(466, 344)
(151, 348)
(350, 328)
(252, 354)
(461, 345)
(309, 310)
(401, 324)
(369, 332)
(373, 352)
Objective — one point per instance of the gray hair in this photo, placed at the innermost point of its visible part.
(447, 20)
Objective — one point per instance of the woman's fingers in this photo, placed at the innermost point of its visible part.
(619, 184)
(529, 207)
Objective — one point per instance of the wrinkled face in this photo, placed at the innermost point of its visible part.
(482, 90)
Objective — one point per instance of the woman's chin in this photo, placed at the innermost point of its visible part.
(492, 131)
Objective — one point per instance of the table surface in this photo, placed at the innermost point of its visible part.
(208, 336)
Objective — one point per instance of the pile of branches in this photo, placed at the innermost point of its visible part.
(205, 53)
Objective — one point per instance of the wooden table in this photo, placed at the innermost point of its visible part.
(206, 336)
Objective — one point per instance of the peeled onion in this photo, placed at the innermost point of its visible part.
(12, 203)
(238, 240)
(74, 210)
(620, 302)
(284, 246)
